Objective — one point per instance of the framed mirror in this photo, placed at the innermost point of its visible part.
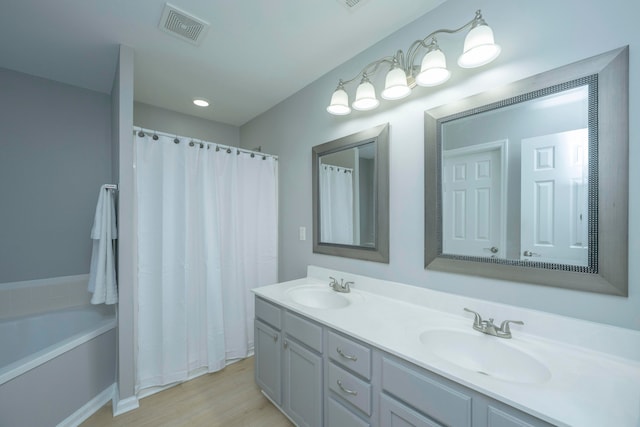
(351, 196)
(529, 182)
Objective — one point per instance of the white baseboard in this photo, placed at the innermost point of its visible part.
(90, 408)
(125, 405)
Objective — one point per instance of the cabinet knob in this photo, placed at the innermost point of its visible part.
(275, 337)
(285, 344)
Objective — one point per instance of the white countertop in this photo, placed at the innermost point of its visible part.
(595, 368)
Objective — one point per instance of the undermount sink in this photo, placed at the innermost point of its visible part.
(486, 355)
(317, 296)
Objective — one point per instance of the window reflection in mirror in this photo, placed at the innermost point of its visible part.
(347, 196)
(515, 181)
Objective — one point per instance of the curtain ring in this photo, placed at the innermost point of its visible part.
(252, 155)
(228, 150)
(264, 157)
(191, 144)
(238, 152)
(141, 134)
(155, 137)
(176, 140)
(217, 148)
(201, 145)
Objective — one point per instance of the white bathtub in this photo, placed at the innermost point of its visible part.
(51, 364)
(30, 341)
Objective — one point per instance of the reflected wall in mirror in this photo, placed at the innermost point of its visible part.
(350, 196)
(530, 182)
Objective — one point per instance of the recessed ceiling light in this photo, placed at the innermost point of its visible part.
(201, 102)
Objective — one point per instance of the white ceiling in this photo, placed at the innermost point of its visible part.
(255, 54)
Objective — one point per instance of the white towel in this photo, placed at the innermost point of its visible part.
(102, 276)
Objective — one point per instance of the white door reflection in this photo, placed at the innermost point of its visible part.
(473, 199)
(554, 191)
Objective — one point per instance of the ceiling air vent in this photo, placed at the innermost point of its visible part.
(351, 4)
(182, 25)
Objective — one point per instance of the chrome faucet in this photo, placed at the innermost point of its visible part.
(488, 327)
(343, 286)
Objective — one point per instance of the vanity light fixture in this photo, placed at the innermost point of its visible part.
(201, 102)
(403, 75)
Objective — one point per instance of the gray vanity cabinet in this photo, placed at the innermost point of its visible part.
(406, 388)
(349, 393)
(302, 371)
(322, 378)
(268, 355)
(412, 396)
(303, 385)
(395, 414)
(288, 362)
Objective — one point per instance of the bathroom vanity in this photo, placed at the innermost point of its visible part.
(388, 354)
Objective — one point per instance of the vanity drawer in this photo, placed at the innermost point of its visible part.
(303, 330)
(269, 313)
(339, 416)
(430, 396)
(356, 357)
(351, 388)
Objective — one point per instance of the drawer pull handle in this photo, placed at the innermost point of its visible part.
(346, 390)
(346, 356)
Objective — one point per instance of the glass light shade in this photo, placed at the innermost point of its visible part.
(395, 86)
(365, 97)
(479, 48)
(339, 105)
(433, 70)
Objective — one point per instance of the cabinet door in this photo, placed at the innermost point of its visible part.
(510, 417)
(303, 385)
(395, 414)
(268, 370)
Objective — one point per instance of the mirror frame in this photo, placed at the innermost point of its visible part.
(610, 275)
(380, 252)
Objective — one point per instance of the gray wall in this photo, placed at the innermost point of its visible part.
(535, 37)
(55, 152)
(162, 120)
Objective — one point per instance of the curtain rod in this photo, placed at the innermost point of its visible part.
(229, 148)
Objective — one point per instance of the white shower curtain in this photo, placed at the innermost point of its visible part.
(336, 205)
(207, 234)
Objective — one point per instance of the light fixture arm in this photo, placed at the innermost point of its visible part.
(367, 71)
(404, 74)
(413, 49)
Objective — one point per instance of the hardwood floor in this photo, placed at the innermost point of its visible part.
(227, 398)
